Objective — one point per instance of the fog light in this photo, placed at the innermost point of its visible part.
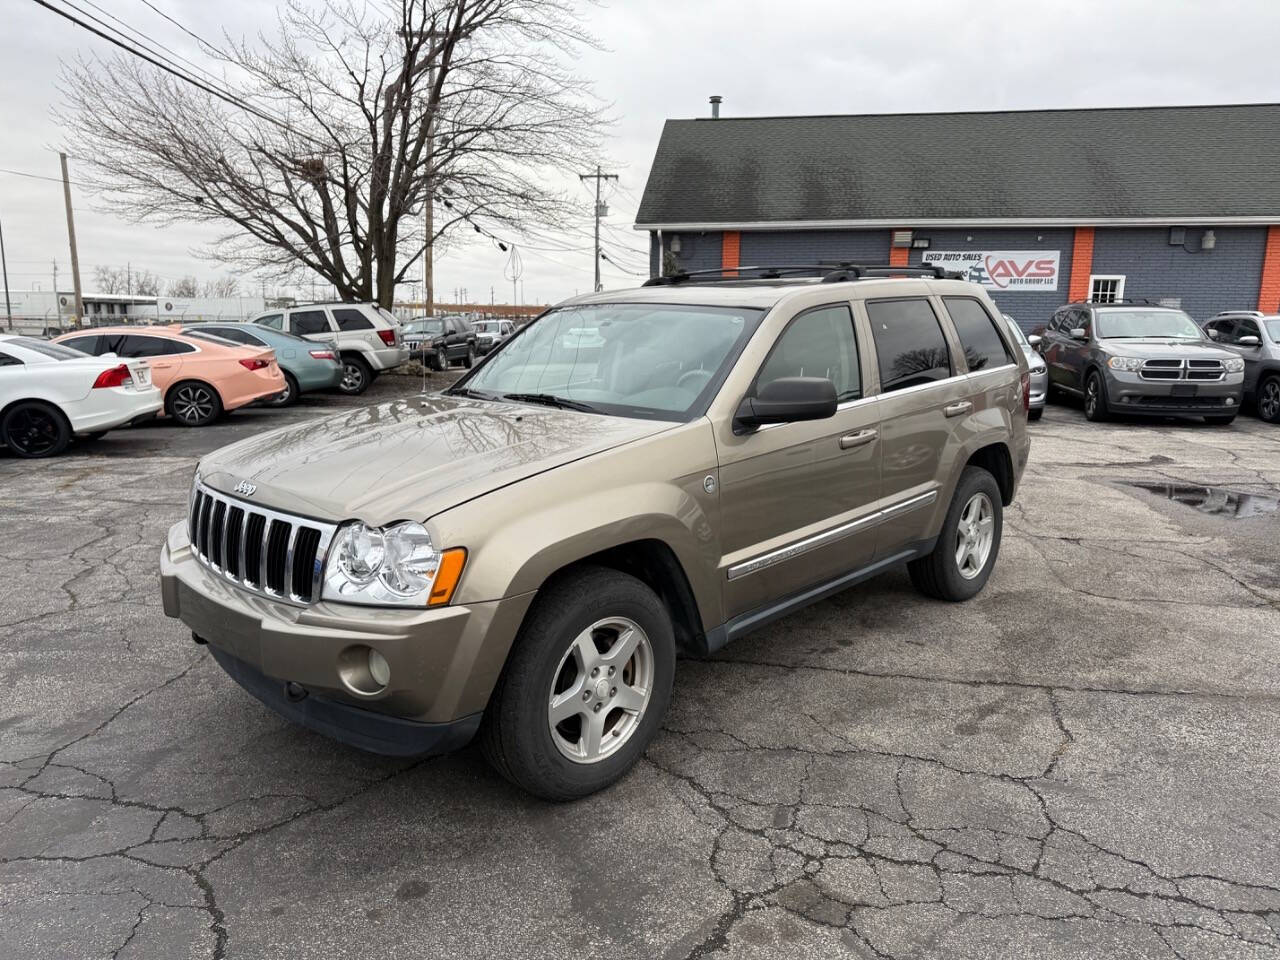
(379, 669)
(1231, 401)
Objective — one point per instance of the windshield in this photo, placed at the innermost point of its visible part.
(211, 337)
(55, 351)
(487, 326)
(1273, 327)
(1119, 324)
(630, 359)
(423, 326)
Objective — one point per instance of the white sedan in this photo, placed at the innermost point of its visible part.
(49, 393)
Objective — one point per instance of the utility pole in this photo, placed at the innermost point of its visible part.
(8, 310)
(601, 210)
(71, 235)
(428, 184)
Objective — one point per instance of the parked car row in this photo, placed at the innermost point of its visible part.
(1132, 357)
(88, 381)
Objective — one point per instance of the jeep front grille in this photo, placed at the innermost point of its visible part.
(273, 554)
(1199, 370)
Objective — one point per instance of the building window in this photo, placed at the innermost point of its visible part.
(1106, 289)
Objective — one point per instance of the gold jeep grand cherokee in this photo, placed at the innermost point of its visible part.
(634, 474)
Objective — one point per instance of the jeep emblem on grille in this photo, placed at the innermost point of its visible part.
(246, 488)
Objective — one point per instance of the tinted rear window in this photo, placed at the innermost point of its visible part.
(87, 344)
(233, 334)
(910, 347)
(983, 346)
(133, 345)
(349, 319)
(304, 322)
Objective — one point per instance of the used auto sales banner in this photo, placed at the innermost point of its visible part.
(1002, 269)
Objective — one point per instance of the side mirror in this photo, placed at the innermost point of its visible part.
(1248, 340)
(1212, 334)
(1035, 339)
(1077, 333)
(787, 400)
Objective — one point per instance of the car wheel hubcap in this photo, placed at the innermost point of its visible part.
(193, 404)
(975, 535)
(600, 690)
(352, 377)
(1270, 404)
(1091, 397)
(33, 432)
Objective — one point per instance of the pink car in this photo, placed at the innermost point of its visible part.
(198, 374)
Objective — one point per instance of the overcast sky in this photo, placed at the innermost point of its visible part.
(663, 59)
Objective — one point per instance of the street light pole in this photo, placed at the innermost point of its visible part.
(4, 265)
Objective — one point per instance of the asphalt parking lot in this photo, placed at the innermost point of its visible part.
(1082, 762)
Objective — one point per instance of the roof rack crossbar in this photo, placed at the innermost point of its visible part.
(830, 272)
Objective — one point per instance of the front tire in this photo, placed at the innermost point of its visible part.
(193, 404)
(33, 430)
(1269, 399)
(966, 551)
(585, 687)
(355, 376)
(469, 360)
(1095, 399)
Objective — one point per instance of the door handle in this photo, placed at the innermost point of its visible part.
(861, 438)
(956, 409)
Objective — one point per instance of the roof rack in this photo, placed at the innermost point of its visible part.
(1147, 300)
(1239, 313)
(837, 272)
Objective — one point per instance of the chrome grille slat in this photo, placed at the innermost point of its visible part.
(1200, 371)
(263, 551)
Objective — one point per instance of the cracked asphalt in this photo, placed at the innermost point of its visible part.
(1081, 762)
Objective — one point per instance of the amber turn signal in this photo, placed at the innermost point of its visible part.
(447, 577)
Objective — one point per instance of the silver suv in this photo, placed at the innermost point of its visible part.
(368, 337)
(1255, 337)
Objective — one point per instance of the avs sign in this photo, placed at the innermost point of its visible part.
(1001, 269)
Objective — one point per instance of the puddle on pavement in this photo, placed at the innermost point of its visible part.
(1216, 501)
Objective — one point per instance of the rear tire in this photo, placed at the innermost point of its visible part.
(575, 626)
(290, 395)
(32, 430)
(1269, 399)
(355, 376)
(1095, 399)
(1035, 413)
(961, 562)
(469, 360)
(192, 403)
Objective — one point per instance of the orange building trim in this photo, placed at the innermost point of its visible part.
(898, 256)
(1081, 265)
(1269, 288)
(730, 249)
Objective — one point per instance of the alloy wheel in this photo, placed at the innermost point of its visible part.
(600, 690)
(1269, 400)
(33, 431)
(193, 404)
(1091, 396)
(352, 377)
(974, 535)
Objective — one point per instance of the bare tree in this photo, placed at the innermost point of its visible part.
(225, 286)
(145, 284)
(385, 106)
(183, 287)
(109, 279)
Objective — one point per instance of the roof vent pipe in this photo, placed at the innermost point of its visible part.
(715, 107)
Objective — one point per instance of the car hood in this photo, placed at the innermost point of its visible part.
(410, 459)
(1165, 347)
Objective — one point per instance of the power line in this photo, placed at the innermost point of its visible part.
(174, 71)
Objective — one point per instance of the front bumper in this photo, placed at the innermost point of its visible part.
(1129, 393)
(443, 661)
(1039, 389)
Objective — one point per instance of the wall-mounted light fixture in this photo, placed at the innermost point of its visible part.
(1208, 241)
(901, 238)
(920, 243)
(675, 244)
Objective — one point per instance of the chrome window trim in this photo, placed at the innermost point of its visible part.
(799, 547)
(270, 517)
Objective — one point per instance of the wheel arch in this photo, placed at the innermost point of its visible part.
(200, 380)
(34, 398)
(997, 460)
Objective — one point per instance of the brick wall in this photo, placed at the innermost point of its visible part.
(1224, 278)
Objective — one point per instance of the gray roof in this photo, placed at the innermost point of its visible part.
(1213, 164)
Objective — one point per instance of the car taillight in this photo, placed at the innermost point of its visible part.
(255, 364)
(1026, 392)
(115, 377)
(323, 354)
(388, 337)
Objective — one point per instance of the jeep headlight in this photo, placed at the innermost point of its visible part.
(1233, 364)
(396, 565)
(1125, 363)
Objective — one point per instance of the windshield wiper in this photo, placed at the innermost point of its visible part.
(468, 392)
(550, 400)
